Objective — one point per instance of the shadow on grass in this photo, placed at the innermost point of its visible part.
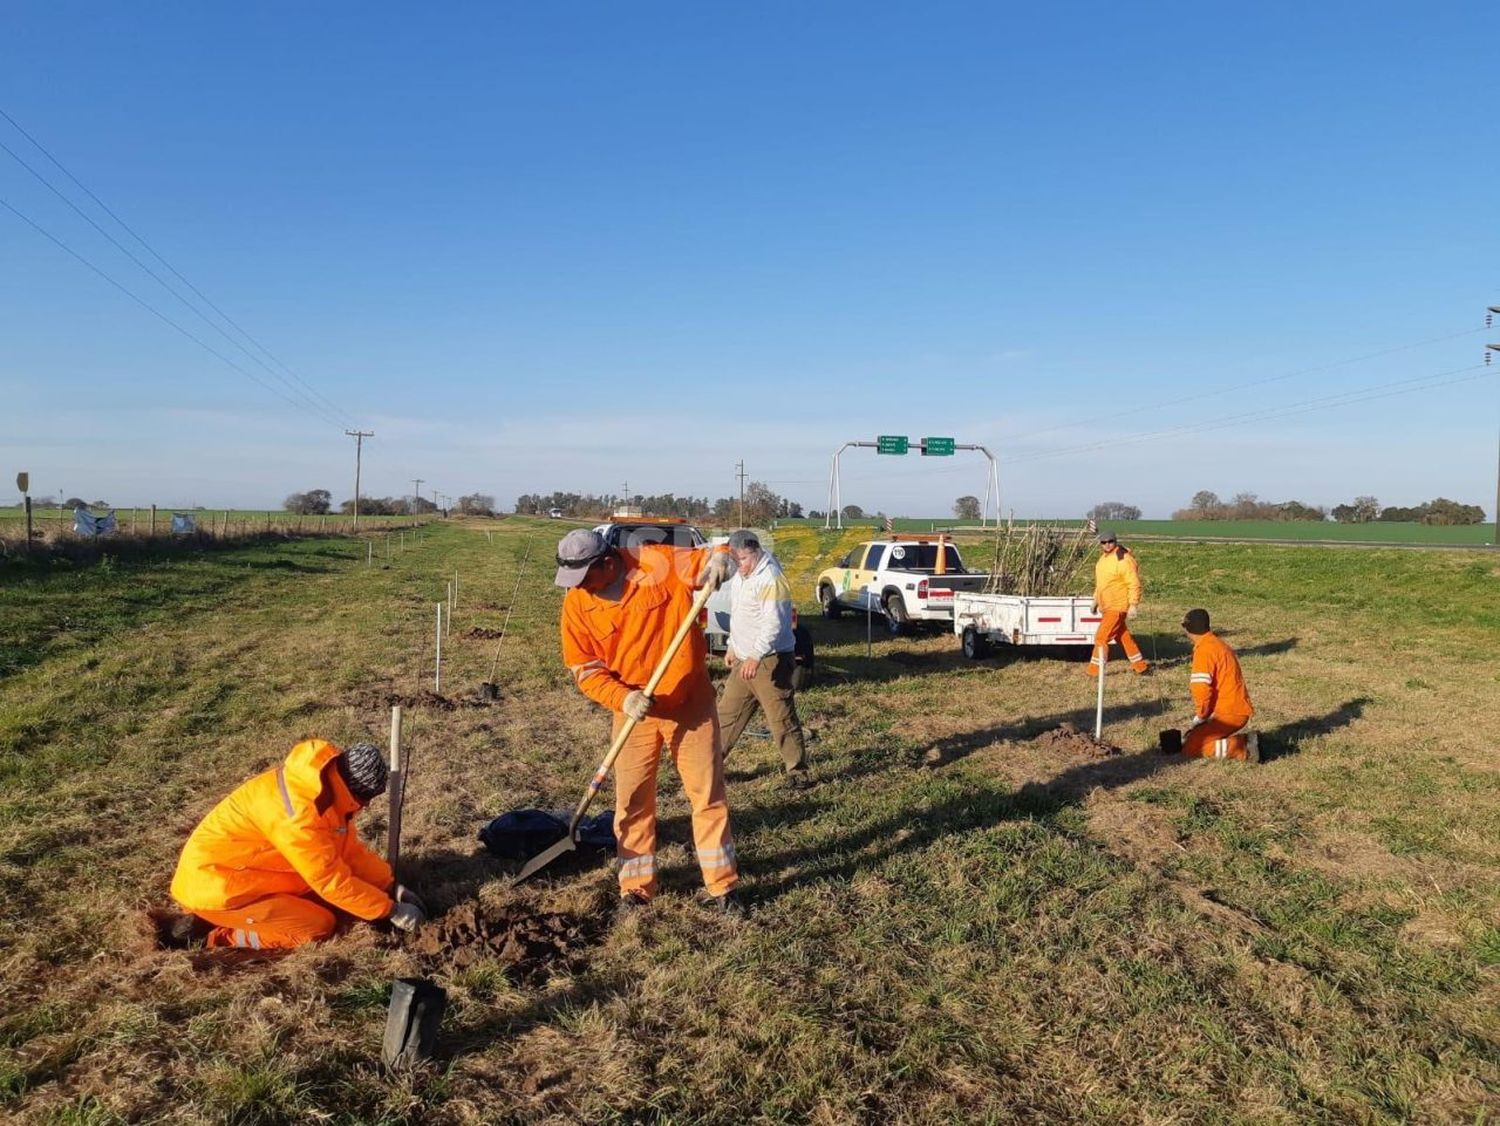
(1286, 740)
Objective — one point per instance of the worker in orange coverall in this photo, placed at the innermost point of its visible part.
(1221, 702)
(1117, 597)
(618, 617)
(269, 865)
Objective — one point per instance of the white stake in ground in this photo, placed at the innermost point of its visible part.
(1101, 654)
(437, 676)
(369, 554)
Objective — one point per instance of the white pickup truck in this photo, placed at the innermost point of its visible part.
(982, 620)
(905, 579)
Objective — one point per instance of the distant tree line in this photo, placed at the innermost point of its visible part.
(1112, 510)
(316, 502)
(1206, 505)
(762, 505)
(1439, 510)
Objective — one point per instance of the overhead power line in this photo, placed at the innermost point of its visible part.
(1307, 406)
(154, 311)
(1231, 387)
(298, 386)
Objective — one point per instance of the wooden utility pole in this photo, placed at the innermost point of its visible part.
(359, 437)
(740, 473)
(416, 492)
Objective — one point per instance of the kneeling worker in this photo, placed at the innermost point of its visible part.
(269, 865)
(760, 655)
(1221, 701)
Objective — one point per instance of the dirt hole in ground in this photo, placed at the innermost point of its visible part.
(481, 633)
(1067, 739)
(529, 944)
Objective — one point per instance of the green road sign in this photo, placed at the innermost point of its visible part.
(893, 444)
(937, 447)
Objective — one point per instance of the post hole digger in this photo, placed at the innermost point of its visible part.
(629, 622)
(570, 842)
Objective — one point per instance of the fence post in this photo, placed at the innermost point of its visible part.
(153, 521)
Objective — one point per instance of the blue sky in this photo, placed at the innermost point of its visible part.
(573, 246)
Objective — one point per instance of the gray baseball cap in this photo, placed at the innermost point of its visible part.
(577, 552)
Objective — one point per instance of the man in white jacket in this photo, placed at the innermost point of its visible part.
(760, 655)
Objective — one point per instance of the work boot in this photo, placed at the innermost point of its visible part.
(186, 932)
(1252, 746)
(729, 905)
(796, 779)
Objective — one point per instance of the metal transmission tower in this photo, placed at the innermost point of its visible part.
(359, 437)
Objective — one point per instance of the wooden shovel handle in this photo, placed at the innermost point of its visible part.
(629, 725)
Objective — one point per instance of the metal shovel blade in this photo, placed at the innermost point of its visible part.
(542, 859)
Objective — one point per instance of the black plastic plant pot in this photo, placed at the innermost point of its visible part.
(1170, 740)
(411, 1023)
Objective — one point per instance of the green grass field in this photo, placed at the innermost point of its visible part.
(1471, 535)
(954, 925)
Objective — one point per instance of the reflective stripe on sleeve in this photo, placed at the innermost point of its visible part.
(584, 671)
(286, 798)
(1201, 678)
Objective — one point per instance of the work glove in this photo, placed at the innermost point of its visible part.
(717, 570)
(404, 894)
(1195, 721)
(637, 705)
(407, 916)
(1132, 612)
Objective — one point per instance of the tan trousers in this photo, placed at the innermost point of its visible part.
(691, 737)
(772, 689)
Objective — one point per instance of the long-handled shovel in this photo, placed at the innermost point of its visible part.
(570, 842)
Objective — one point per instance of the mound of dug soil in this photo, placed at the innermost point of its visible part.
(481, 633)
(529, 944)
(1068, 740)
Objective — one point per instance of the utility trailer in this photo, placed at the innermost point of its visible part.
(985, 620)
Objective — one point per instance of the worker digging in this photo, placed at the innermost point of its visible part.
(619, 611)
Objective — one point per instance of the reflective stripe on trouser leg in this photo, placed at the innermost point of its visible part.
(699, 759)
(1111, 626)
(277, 922)
(635, 805)
(1216, 737)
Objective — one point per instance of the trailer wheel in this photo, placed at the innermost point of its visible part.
(896, 618)
(976, 645)
(830, 600)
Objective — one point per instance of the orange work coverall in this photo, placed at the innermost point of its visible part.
(270, 861)
(612, 648)
(1117, 587)
(1221, 700)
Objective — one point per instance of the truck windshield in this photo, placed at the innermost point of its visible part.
(922, 557)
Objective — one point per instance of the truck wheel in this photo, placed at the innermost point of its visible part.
(896, 619)
(976, 645)
(831, 608)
